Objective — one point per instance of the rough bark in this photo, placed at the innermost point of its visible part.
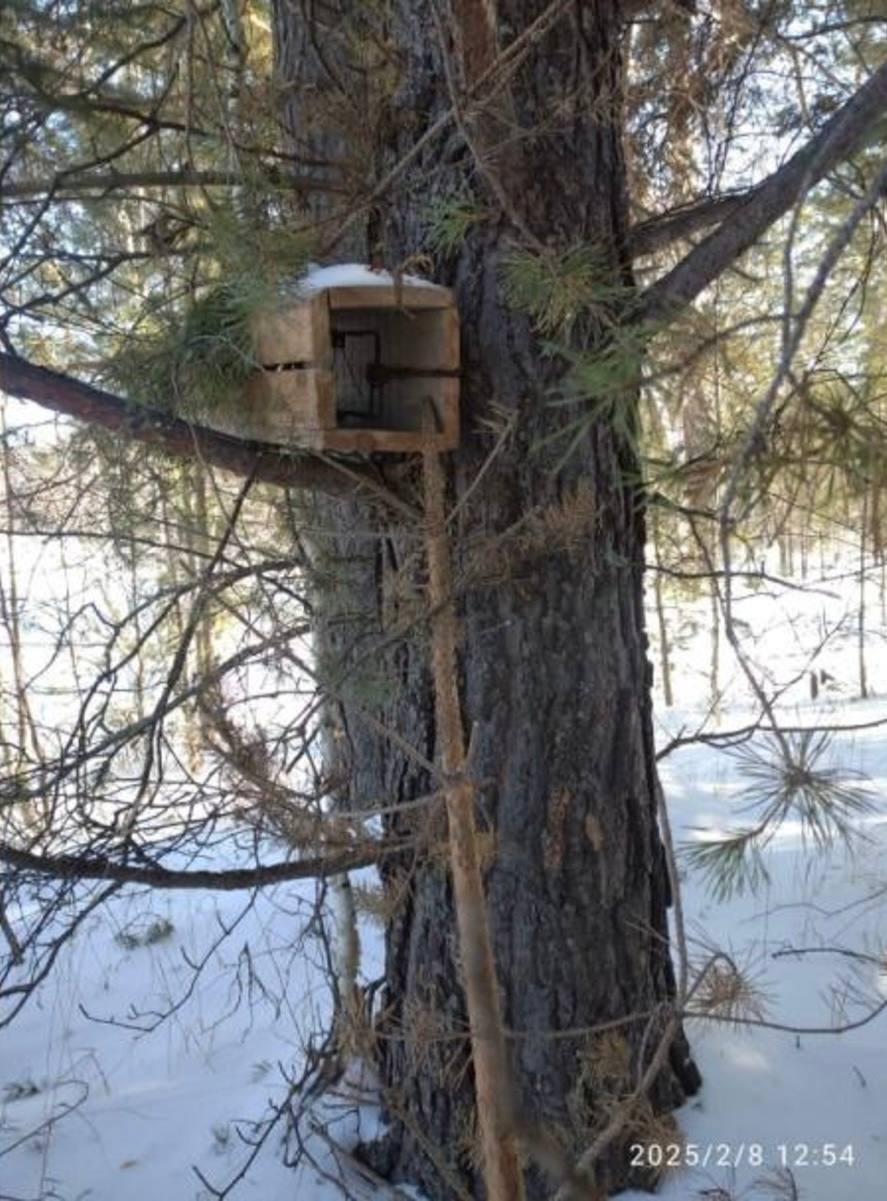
(555, 679)
(502, 1171)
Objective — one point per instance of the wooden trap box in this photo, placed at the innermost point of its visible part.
(357, 369)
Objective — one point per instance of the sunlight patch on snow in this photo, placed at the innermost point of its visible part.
(744, 1055)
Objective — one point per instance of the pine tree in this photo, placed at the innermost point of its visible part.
(511, 149)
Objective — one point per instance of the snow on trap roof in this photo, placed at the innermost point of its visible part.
(355, 275)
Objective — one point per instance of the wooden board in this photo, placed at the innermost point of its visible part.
(410, 296)
(298, 332)
(368, 442)
(278, 405)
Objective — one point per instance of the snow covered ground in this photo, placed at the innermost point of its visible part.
(102, 1110)
(91, 1109)
(814, 1103)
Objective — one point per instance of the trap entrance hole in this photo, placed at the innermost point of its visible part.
(388, 366)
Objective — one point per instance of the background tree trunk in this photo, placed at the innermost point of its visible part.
(556, 683)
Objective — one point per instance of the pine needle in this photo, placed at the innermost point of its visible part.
(787, 779)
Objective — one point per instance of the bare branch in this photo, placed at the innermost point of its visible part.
(75, 867)
(67, 183)
(267, 463)
(772, 198)
(658, 233)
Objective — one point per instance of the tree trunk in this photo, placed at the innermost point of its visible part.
(555, 679)
(714, 663)
(860, 631)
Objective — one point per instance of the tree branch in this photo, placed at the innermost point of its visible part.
(69, 183)
(767, 202)
(183, 439)
(658, 233)
(73, 867)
